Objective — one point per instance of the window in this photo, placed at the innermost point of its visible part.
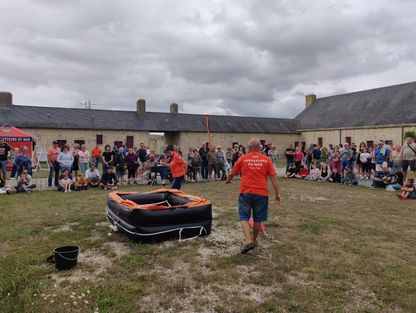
(303, 144)
(129, 141)
(296, 144)
(348, 140)
(79, 141)
(263, 142)
(388, 142)
(118, 143)
(320, 141)
(99, 139)
(61, 143)
(370, 143)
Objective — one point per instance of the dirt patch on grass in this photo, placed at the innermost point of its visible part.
(92, 264)
(65, 228)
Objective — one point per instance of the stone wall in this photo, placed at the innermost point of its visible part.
(192, 139)
(44, 136)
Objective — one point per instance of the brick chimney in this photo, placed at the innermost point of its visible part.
(309, 100)
(141, 107)
(174, 108)
(6, 99)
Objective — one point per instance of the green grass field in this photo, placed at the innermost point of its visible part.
(329, 248)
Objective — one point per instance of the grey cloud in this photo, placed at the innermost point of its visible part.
(235, 57)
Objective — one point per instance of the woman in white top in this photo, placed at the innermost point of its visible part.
(365, 159)
(84, 158)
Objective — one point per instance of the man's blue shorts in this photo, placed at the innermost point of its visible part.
(257, 204)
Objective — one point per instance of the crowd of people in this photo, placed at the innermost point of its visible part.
(77, 168)
(386, 165)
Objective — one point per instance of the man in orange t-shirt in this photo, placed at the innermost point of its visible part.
(177, 166)
(96, 155)
(254, 169)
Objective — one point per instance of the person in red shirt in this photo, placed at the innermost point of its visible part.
(177, 166)
(254, 169)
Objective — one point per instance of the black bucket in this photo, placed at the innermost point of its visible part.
(65, 258)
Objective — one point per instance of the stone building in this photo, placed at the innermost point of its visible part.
(365, 116)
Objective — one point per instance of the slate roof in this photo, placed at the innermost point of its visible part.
(68, 118)
(392, 105)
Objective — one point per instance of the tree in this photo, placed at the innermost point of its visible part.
(410, 133)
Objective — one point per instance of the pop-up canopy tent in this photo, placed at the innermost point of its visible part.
(16, 138)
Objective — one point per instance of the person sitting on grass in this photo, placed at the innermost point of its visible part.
(325, 173)
(23, 184)
(314, 174)
(81, 183)
(396, 182)
(92, 176)
(303, 172)
(109, 179)
(350, 177)
(382, 179)
(65, 181)
(408, 190)
(148, 166)
(291, 172)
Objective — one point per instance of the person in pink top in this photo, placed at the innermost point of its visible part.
(84, 158)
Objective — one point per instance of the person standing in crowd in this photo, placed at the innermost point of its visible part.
(273, 155)
(4, 154)
(203, 153)
(221, 172)
(408, 157)
(92, 176)
(141, 155)
(96, 155)
(84, 158)
(120, 165)
(53, 164)
(196, 165)
(365, 161)
(75, 164)
(298, 157)
(382, 155)
(289, 153)
(212, 163)
(316, 156)
(177, 166)
(395, 160)
(14, 154)
(346, 157)
(254, 169)
(65, 159)
(23, 162)
(229, 157)
(108, 158)
(132, 165)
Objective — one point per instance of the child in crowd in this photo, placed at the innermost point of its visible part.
(291, 171)
(325, 175)
(65, 181)
(408, 190)
(81, 183)
(23, 184)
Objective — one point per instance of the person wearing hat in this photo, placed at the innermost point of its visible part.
(177, 166)
(52, 156)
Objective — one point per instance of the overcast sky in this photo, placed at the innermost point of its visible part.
(248, 57)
